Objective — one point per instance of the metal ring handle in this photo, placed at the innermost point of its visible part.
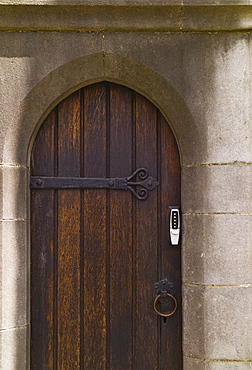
(165, 314)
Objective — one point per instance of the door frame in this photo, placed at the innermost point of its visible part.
(53, 89)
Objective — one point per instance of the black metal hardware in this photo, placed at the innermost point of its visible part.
(142, 187)
(165, 303)
(163, 286)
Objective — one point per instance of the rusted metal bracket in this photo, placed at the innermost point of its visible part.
(140, 187)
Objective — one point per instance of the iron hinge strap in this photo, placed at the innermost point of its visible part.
(141, 188)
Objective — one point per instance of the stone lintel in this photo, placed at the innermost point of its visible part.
(126, 16)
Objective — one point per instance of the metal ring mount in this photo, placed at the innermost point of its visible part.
(165, 314)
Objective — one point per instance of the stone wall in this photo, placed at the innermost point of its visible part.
(185, 59)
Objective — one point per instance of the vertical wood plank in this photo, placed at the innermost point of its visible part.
(68, 287)
(69, 127)
(42, 251)
(170, 255)
(68, 295)
(95, 236)
(147, 336)
(121, 240)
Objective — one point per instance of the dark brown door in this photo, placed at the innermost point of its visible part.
(96, 253)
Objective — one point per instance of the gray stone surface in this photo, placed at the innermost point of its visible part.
(212, 2)
(218, 322)
(27, 58)
(250, 92)
(13, 355)
(194, 364)
(229, 18)
(217, 249)
(32, 55)
(14, 270)
(13, 192)
(229, 365)
(105, 2)
(206, 74)
(210, 73)
(217, 189)
(67, 78)
(19, 132)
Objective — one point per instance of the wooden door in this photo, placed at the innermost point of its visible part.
(96, 253)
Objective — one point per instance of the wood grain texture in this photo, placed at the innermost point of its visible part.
(171, 330)
(42, 257)
(121, 238)
(68, 240)
(68, 287)
(147, 324)
(96, 253)
(95, 233)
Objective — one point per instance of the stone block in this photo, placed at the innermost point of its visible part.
(195, 364)
(215, 2)
(217, 189)
(217, 249)
(97, 2)
(123, 16)
(217, 322)
(14, 352)
(210, 74)
(42, 53)
(13, 192)
(130, 15)
(216, 18)
(27, 59)
(14, 301)
(228, 365)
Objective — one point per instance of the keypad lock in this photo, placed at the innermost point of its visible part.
(174, 225)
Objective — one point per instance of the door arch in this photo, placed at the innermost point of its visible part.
(96, 253)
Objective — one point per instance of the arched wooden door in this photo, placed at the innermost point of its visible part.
(97, 249)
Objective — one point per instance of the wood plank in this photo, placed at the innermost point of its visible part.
(69, 263)
(147, 335)
(42, 251)
(69, 128)
(42, 155)
(121, 238)
(42, 257)
(95, 131)
(95, 222)
(68, 295)
(170, 255)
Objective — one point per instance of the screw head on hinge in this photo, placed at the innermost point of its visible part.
(39, 182)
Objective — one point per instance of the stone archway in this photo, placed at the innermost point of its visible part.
(19, 139)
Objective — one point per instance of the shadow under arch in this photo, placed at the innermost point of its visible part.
(89, 69)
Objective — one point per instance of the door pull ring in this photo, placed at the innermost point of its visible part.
(165, 314)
